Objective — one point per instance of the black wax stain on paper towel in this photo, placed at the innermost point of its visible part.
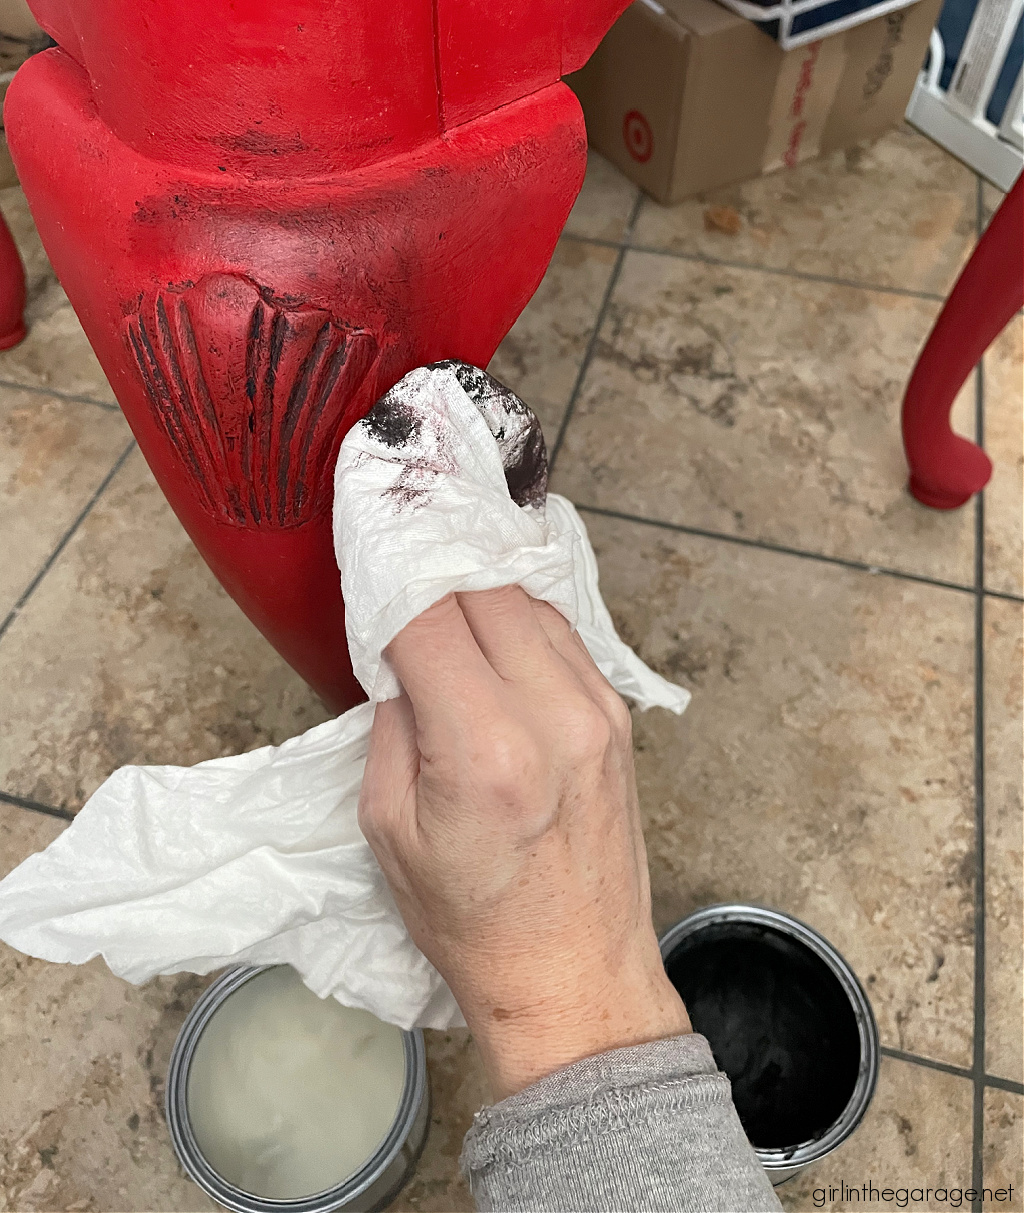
(394, 423)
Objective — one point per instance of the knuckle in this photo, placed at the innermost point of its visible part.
(588, 731)
(618, 715)
(513, 760)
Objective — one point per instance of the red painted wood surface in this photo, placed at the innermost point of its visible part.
(946, 470)
(265, 212)
(12, 290)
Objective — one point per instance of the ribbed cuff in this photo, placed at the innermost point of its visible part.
(649, 1127)
(598, 1094)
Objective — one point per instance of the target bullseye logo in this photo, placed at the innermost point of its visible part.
(639, 137)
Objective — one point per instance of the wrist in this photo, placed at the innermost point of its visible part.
(520, 1046)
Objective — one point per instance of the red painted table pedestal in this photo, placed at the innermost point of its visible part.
(12, 290)
(265, 212)
(945, 469)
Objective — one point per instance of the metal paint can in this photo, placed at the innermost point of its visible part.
(372, 1186)
(724, 922)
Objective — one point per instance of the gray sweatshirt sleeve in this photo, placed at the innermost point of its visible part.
(651, 1127)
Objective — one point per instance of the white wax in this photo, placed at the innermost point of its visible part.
(288, 1093)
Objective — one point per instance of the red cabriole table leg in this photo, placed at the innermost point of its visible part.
(265, 212)
(12, 291)
(945, 469)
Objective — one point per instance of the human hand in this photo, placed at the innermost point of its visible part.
(500, 800)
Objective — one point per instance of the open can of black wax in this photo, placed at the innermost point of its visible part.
(306, 1057)
(788, 1022)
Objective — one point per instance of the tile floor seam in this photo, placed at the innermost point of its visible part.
(35, 806)
(929, 1063)
(998, 1083)
(588, 353)
(978, 1061)
(978, 1066)
(991, 1080)
(59, 395)
(780, 271)
(64, 541)
(856, 566)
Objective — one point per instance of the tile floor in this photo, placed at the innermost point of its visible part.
(721, 398)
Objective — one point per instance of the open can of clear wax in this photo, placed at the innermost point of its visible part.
(788, 1022)
(281, 1102)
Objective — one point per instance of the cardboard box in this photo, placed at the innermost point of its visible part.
(685, 96)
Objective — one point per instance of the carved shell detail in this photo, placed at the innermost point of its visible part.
(251, 393)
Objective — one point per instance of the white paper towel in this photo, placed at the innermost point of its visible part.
(258, 858)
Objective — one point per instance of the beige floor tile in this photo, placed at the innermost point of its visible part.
(916, 1135)
(83, 1057)
(765, 407)
(457, 1090)
(1003, 1159)
(540, 358)
(899, 213)
(824, 766)
(1004, 840)
(129, 651)
(605, 202)
(1004, 442)
(54, 454)
(55, 354)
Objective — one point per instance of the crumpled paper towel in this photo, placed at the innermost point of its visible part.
(258, 858)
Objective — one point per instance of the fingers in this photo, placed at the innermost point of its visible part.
(566, 641)
(510, 635)
(529, 641)
(556, 627)
(441, 667)
(456, 659)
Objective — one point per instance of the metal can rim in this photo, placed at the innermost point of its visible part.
(803, 1153)
(337, 1197)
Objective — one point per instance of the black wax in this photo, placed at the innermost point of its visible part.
(779, 1024)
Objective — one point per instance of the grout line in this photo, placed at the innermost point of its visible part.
(600, 241)
(1006, 597)
(979, 841)
(727, 263)
(991, 1080)
(588, 353)
(1004, 1084)
(34, 806)
(46, 391)
(978, 1067)
(781, 549)
(917, 1060)
(65, 540)
(802, 275)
